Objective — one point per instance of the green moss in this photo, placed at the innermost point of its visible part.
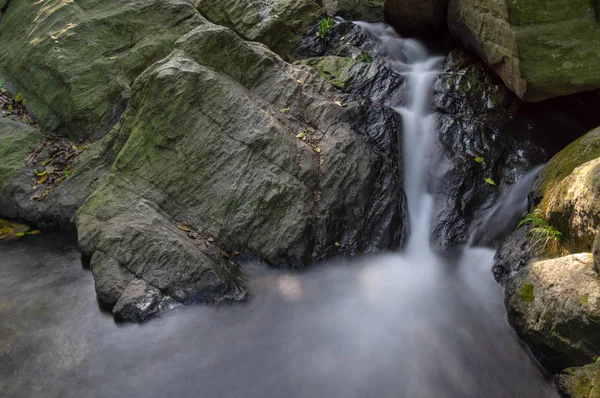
(16, 141)
(527, 293)
(583, 150)
(332, 68)
(585, 299)
(525, 12)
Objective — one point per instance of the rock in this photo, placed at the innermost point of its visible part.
(512, 256)
(477, 118)
(75, 62)
(421, 16)
(144, 242)
(581, 382)
(567, 189)
(110, 278)
(223, 116)
(139, 302)
(581, 151)
(16, 141)
(555, 306)
(278, 24)
(363, 10)
(597, 254)
(516, 38)
(573, 207)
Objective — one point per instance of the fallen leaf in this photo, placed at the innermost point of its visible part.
(42, 179)
(479, 160)
(299, 82)
(301, 136)
(114, 58)
(337, 244)
(338, 103)
(490, 181)
(285, 110)
(317, 150)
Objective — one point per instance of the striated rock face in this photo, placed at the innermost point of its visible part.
(279, 24)
(75, 61)
(555, 306)
(421, 16)
(540, 49)
(581, 382)
(219, 147)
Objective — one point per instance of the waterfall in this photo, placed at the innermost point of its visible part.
(413, 61)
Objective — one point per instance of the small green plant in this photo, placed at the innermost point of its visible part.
(324, 27)
(1, 83)
(541, 231)
(367, 57)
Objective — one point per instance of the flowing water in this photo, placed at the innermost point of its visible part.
(399, 325)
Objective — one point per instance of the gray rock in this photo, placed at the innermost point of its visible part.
(512, 256)
(139, 302)
(555, 306)
(110, 278)
(580, 382)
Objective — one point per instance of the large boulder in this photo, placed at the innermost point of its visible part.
(573, 207)
(262, 157)
(422, 16)
(75, 61)
(567, 192)
(541, 49)
(580, 382)
(555, 306)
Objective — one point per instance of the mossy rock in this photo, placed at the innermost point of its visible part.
(538, 47)
(16, 141)
(334, 69)
(580, 382)
(75, 61)
(562, 165)
(555, 306)
(567, 191)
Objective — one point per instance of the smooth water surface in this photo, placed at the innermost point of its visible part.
(380, 327)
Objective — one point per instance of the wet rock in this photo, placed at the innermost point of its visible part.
(420, 16)
(512, 256)
(581, 382)
(477, 157)
(352, 59)
(75, 62)
(139, 302)
(515, 38)
(555, 306)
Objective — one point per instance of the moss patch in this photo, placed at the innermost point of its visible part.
(334, 69)
(527, 293)
(583, 150)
